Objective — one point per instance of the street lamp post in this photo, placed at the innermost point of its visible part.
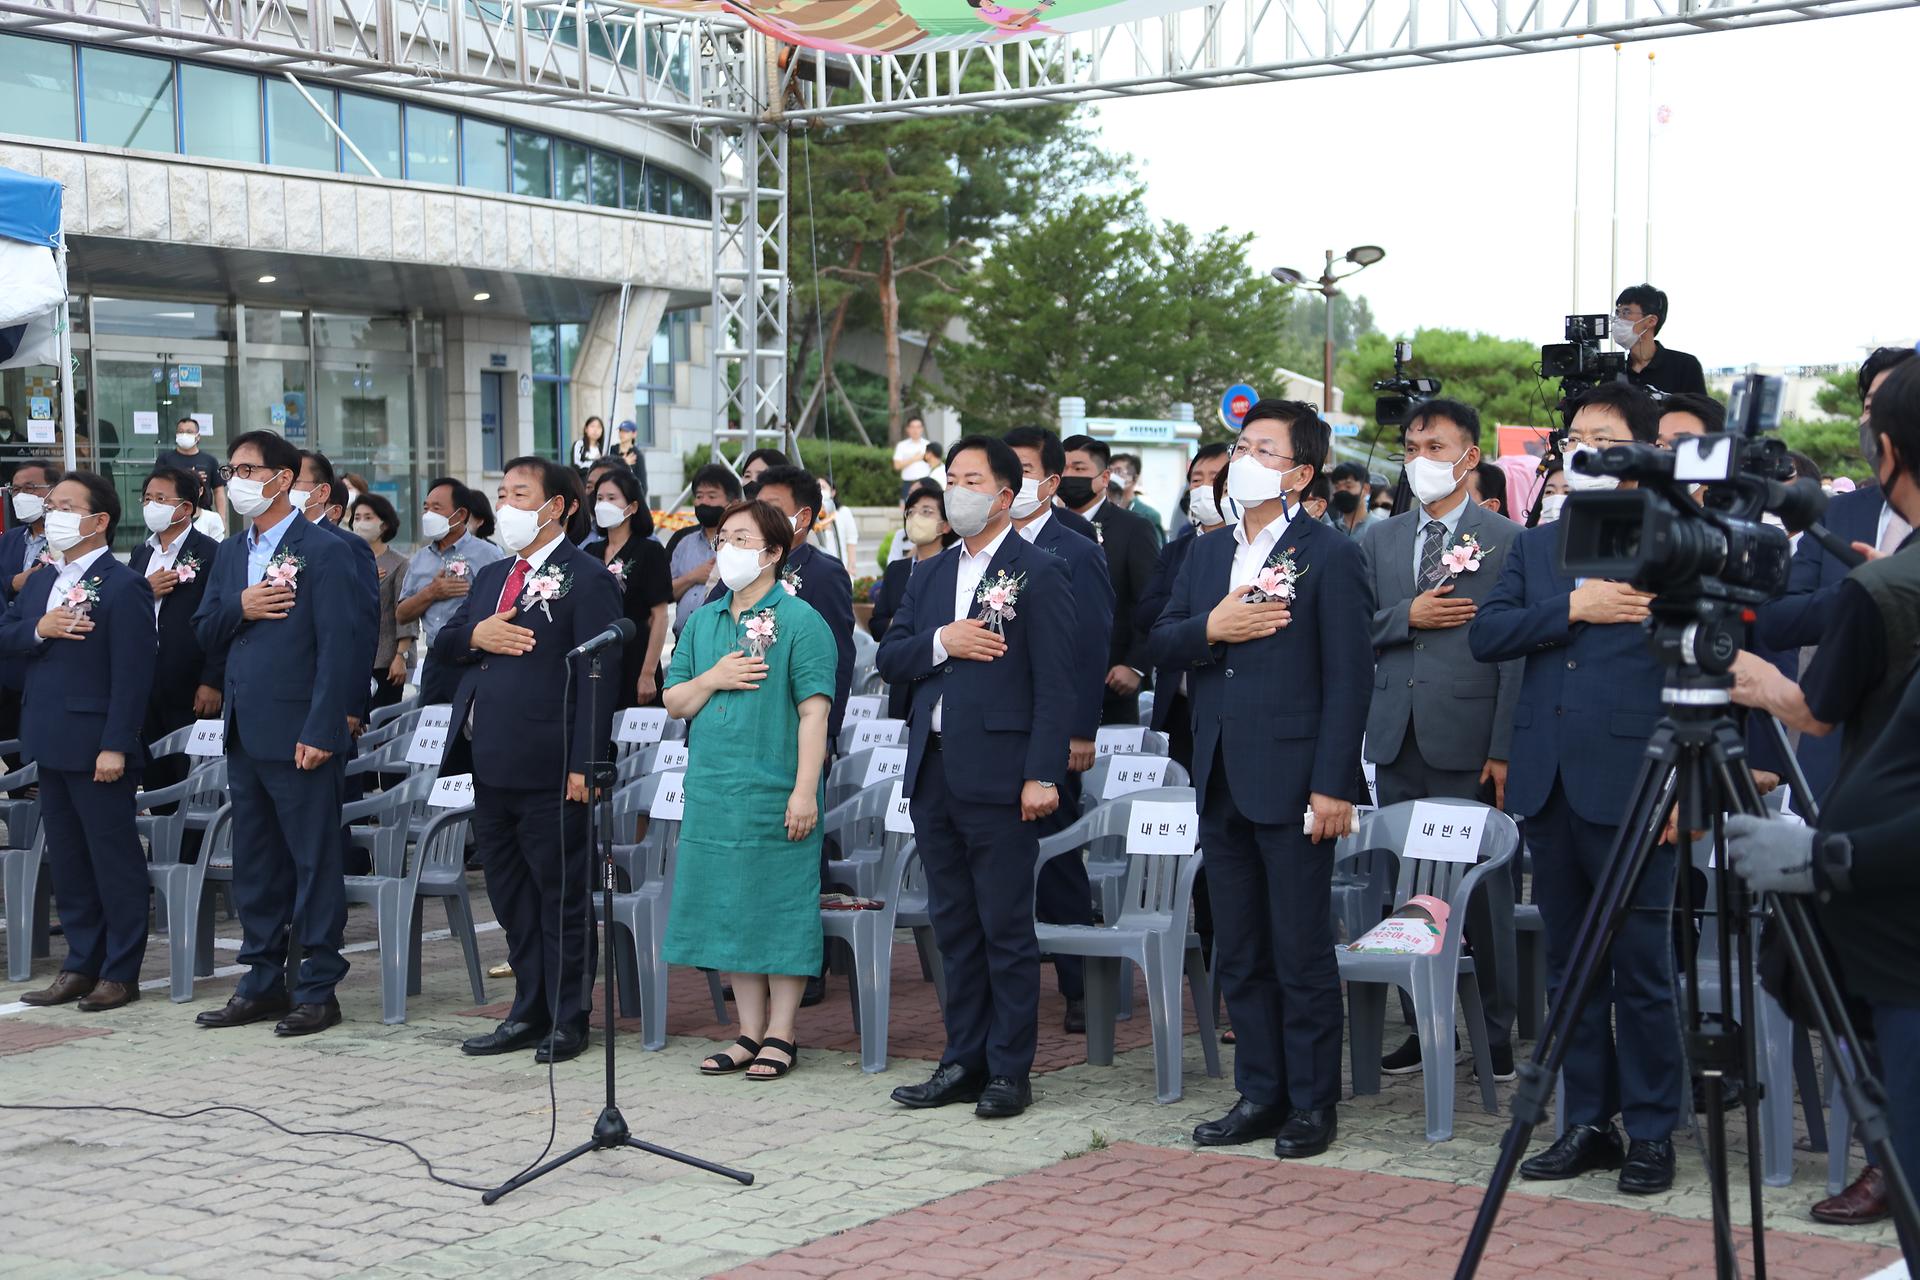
(1362, 257)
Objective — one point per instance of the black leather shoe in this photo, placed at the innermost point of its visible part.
(239, 1011)
(508, 1037)
(1581, 1149)
(949, 1083)
(1076, 1023)
(1003, 1098)
(1306, 1133)
(1247, 1122)
(815, 992)
(565, 1044)
(1649, 1167)
(307, 1019)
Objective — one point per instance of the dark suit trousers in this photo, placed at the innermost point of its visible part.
(979, 864)
(1063, 894)
(1179, 733)
(1489, 912)
(533, 845)
(439, 681)
(1273, 919)
(1624, 1054)
(287, 871)
(99, 872)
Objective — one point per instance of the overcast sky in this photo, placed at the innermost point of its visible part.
(1784, 201)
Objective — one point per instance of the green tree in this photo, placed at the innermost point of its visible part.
(1840, 398)
(1218, 314)
(1832, 443)
(1303, 332)
(1497, 376)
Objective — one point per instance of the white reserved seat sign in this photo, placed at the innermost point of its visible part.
(1162, 826)
(884, 763)
(899, 811)
(438, 714)
(642, 726)
(1119, 739)
(671, 755)
(209, 738)
(430, 737)
(865, 706)
(455, 791)
(878, 733)
(1136, 774)
(1445, 832)
(670, 801)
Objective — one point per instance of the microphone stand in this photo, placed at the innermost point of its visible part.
(610, 1130)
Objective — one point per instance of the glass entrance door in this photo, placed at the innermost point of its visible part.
(137, 399)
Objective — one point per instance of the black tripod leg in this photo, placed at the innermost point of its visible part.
(744, 1179)
(521, 1180)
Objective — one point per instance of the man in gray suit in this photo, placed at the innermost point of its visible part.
(1440, 722)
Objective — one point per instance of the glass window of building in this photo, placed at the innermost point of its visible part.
(656, 189)
(36, 82)
(374, 126)
(606, 180)
(483, 149)
(220, 114)
(633, 186)
(653, 394)
(296, 135)
(270, 326)
(128, 100)
(358, 333)
(154, 318)
(532, 165)
(431, 152)
(569, 171)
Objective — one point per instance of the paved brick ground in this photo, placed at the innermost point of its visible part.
(226, 1195)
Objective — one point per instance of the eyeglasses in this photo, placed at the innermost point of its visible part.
(1593, 440)
(38, 490)
(746, 541)
(1263, 451)
(248, 471)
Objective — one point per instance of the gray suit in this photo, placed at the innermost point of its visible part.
(1438, 715)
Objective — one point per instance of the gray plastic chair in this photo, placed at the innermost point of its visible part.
(395, 817)
(22, 815)
(391, 724)
(857, 827)
(1530, 949)
(177, 895)
(212, 871)
(1093, 783)
(1151, 928)
(195, 799)
(869, 935)
(1146, 707)
(29, 906)
(914, 913)
(1434, 980)
(437, 869)
(848, 773)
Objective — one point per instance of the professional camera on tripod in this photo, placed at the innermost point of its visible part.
(1579, 362)
(1707, 562)
(1406, 394)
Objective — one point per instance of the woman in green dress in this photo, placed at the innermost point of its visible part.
(752, 674)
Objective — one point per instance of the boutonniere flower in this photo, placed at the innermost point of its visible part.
(284, 570)
(544, 586)
(457, 567)
(46, 557)
(790, 579)
(996, 599)
(761, 633)
(1464, 556)
(618, 568)
(187, 567)
(81, 597)
(1278, 579)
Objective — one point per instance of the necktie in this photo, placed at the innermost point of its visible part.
(1430, 550)
(510, 594)
(1897, 531)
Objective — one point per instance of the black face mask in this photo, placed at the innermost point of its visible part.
(708, 514)
(1345, 501)
(1076, 491)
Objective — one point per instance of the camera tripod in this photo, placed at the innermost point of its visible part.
(1696, 762)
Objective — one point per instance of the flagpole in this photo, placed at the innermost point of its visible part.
(1579, 123)
(1651, 111)
(1613, 272)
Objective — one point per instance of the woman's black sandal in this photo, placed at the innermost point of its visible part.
(779, 1068)
(727, 1065)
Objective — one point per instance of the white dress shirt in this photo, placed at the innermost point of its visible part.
(1890, 520)
(164, 558)
(1032, 531)
(534, 560)
(70, 572)
(966, 581)
(1250, 557)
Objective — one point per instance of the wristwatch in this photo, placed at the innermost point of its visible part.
(1048, 785)
(1833, 862)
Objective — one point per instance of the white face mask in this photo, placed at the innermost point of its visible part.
(368, 529)
(795, 522)
(1251, 482)
(1202, 509)
(248, 497)
(608, 514)
(739, 566)
(300, 498)
(158, 515)
(1029, 499)
(184, 440)
(63, 530)
(1432, 480)
(28, 507)
(1624, 332)
(519, 527)
(969, 511)
(434, 526)
(1550, 507)
(1579, 481)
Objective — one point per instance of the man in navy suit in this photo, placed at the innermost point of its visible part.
(1063, 894)
(985, 636)
(513, 722)
(177, 562)
(84, 630)
(279, 610)
(1172, 712)
(23, 548)
(318, 499)
(1132, 548)
(1589, 701)
(1272, 624)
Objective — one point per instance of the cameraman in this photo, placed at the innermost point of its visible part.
(1639, 313)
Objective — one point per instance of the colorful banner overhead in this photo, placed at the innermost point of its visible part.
(917, 26)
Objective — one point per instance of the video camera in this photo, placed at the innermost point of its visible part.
(1408, 393)
(1662, 539)
(1579, 359)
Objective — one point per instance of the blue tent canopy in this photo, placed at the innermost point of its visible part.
(29, 209)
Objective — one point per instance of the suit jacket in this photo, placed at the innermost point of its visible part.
(293, 679)
(1589, 693)
(1132, 552)
(824, 584)
(365, 617)
(1093, 629)
(1461, 711)
(508, 716)
(13, 546)
(1285, 712)
(183, 664)
(82, 697)
(893, 591)
(1152, 603)
(1004, 721)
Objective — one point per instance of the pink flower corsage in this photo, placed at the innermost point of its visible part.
(761, 633)
(790, 579)
(1278, 579)
(186, 568)
(456, 567)
(997, 597)
(545, 586)
(618, 568)
(81, 597)
(284, 570)
(1464, 556)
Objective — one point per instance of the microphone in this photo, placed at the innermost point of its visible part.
(616, 635)
(1836, 546)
